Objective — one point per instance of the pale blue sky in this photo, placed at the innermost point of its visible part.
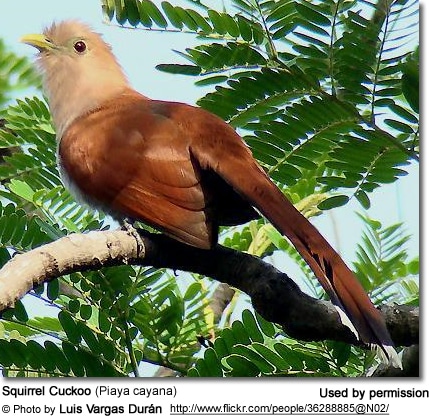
(139, 51)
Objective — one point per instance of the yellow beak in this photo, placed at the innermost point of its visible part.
(39, 41)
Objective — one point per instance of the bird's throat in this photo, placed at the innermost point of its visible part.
(72, 95)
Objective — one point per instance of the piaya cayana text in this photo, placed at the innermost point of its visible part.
(173, 166)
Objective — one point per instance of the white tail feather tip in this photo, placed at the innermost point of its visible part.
(388, 355)
(345, 320)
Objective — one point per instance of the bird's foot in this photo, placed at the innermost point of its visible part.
(133, 232)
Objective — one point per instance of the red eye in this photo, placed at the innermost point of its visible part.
(80, 46)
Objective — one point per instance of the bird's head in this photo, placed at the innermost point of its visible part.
(79, 69)
(70, 42)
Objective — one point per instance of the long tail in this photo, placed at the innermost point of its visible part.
(336, 278)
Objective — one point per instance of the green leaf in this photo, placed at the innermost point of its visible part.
(85, 312)
(312, 14)
(18, 353)
(252, 327)
(108, 8)
(294, 358)
(56, 357)
(74, 306)
(192, 291)
(153, 12)
(240, 333)
(74, 359)
(22, 189)
(37, 355)
(132, 10)
(213, 364)
(219, 22)
(241, 366)
(121, 15)
(410, 85)
(107, 347)
(405, 128)
(264, 366)
(272, 357)
(187, 19)
(179, 69)
(200, 21)
(333, 202)
(267, 327)
(211, 80)
(341, 352)
(245, 28)
(20, 312)
(90, 339)
(144, 16)
(52, 289)
(70, 327)
(363, 198)
(414, 266)
(172, 15)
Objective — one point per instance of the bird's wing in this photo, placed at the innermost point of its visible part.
(133, 159)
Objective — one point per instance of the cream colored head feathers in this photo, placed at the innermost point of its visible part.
(79, 70)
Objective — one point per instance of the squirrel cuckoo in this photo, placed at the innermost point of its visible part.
(173, 166)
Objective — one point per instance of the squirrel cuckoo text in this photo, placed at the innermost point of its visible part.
(173, 166)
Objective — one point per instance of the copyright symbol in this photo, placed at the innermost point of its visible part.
(5, 408)
(360, 409)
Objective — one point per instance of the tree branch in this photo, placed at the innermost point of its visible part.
(274, 295)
